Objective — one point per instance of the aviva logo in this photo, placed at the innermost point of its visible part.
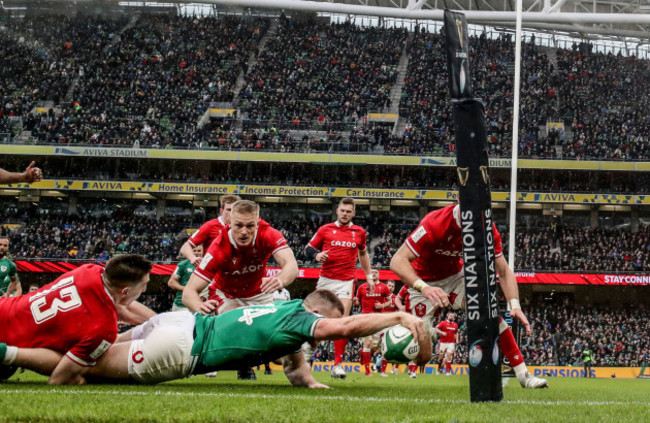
(434, 162)
(66, 151)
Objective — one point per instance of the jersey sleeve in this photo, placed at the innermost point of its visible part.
(13, 269)
(275, 240)
(318, 239)
(303, 324)
(91, 347)
(498, 246)
(441, 326)
(200, 236)
(210, 263)
(421, 236)
(180, 269)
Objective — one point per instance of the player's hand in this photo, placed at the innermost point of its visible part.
(271, 284)
(322, 257)
(379, 306)
(443, 333)
(32, 174)
(317, 385)
(436, 296)
(519, 315)
(414, 324)
(196, 261)
(208, 307)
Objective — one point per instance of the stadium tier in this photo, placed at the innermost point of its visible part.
(304, 85)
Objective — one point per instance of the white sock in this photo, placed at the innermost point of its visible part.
(520, 370)
(10, 355)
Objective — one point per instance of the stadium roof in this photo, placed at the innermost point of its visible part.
(627, 20)
(583, 18)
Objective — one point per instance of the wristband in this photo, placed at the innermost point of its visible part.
(419, 285)
(514, 304)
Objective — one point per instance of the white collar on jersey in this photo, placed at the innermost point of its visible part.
(346, 226)
(220, 219)
(456, 213)
(234, 244)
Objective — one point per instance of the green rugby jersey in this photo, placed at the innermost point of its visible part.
(252, 335)
(184, 271)
(7, 270)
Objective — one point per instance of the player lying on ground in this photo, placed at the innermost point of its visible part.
(76, 315)
(178, 344)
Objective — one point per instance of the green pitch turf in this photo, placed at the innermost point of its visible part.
(429, 398)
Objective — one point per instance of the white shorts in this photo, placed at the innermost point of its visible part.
(422, 307)
(161, 348)
(227, 304)
(342, 289)
(449, 347)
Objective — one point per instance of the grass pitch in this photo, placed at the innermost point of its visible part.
(429, 398)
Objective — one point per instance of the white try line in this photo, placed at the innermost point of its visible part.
(85, 392)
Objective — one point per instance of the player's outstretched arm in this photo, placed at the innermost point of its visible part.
(508, 283)
(298, 371)
(367, 324)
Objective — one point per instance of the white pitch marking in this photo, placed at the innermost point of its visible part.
(58, 391)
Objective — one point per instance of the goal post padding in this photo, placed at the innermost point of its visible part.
(481, 296)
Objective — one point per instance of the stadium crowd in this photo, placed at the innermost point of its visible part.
(552, 248)
(618, 337)
(148, 81)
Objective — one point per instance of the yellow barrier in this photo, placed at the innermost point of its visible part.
(294, 191)
(462, 369)
(171, 154)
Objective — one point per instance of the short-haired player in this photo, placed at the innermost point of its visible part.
(448, 331)
(336, 246)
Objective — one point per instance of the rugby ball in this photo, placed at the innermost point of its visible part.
(398, 345)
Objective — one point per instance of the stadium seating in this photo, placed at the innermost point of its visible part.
(124, 82)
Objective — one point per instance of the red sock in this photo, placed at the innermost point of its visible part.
(448, 367)
(365, 357)
(339, 350)
(384, 364)
(509, 346)
(413, 368)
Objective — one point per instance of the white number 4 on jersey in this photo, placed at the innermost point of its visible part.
(251, 313)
